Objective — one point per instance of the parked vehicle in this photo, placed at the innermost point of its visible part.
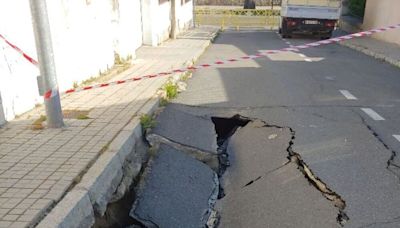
(317, 17)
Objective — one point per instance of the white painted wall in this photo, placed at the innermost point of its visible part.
(85, 35)
(184, 15)
(18, 88)
(156, 21)
(383, 13)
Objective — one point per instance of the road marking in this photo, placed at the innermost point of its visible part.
(348, 95)
(329, 78)
(302, 55)
(307, 60)
(397, 137)
(371, 113)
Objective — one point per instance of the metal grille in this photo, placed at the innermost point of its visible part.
(237, 18)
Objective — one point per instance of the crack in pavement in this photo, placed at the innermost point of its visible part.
(266, 174)
(393, 155)
(294, 157)
(332, 196)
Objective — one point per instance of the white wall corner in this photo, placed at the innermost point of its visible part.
(2, 116)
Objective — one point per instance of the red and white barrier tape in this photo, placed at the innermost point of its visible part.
(26, 56)
(259, 55)
(54, 92)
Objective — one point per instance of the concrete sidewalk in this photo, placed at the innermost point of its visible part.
(62, 177)
(388, 52)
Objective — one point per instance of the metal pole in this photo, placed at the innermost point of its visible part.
(173, 19)
(194, 13)
(45, 54)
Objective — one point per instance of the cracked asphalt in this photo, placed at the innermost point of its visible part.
(343, 105)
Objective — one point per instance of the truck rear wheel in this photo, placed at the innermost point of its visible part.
(326, 36)
(284, 32)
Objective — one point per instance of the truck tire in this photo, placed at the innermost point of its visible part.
(284, 32)
(326, 36)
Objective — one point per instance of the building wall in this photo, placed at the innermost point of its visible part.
(383, 13)
(156, 20)
(18, 90)
(184, 14)
(85, 36)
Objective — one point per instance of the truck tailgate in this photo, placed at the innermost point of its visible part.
(318, 9)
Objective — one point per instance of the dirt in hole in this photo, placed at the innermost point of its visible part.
(117, 214)
(225, 128)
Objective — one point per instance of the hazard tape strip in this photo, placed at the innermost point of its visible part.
(53, 92)
(26, 56)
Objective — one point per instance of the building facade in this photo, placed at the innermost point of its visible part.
(86, 35)
(380, 13)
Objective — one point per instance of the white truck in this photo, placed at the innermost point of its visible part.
(317, 17)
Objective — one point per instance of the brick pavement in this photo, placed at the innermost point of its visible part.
(38, 167)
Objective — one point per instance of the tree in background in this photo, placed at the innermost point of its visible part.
(357, 7)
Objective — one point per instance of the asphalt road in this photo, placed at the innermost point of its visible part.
(343, 106)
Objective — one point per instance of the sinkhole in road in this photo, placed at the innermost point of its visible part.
(225, 128)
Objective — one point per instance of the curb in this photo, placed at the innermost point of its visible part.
(99, 184)
(379, 56)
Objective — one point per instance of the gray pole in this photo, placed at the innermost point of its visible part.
(173, 20)
(194, 13)
(45, 54)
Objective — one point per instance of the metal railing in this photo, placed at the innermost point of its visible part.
(238, 18)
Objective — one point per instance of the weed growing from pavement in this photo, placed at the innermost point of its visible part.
(163, 102)
(82, 117)
(38, 124)
(171, 90)
(147, 122)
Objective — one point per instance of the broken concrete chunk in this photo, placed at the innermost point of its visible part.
(178, 191)
(185, 129)
(252, 153)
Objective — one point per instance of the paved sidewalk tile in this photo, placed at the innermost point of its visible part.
(38, 166)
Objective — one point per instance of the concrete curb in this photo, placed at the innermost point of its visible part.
(99, 184)
(368, 52)
(76, 211)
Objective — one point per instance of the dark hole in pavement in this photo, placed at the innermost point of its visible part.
(225, 128)
(117, 213)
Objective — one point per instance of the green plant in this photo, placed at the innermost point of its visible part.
(82, 117)
(171, 90)
(163, 102)
(357, 7)
(37, 124)
(75, 85)
(147, 122)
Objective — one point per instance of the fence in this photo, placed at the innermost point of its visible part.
(238, 18)
(237, 2)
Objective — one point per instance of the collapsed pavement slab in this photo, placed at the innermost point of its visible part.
(182, 128)
(264, 189)
(176, 191)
